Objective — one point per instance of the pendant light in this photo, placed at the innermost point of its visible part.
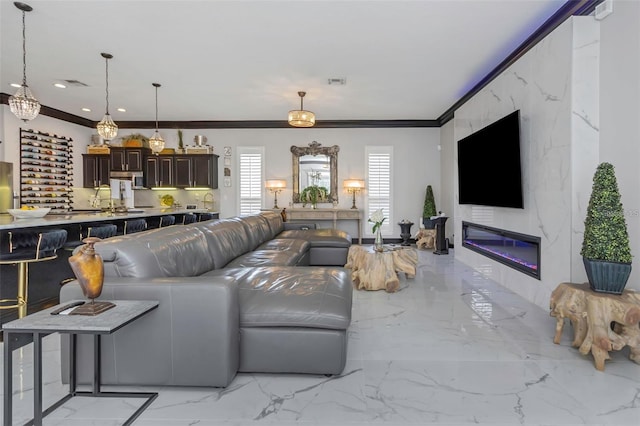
(156, 143)
(301, 118)
(106, 127)
(23, 104)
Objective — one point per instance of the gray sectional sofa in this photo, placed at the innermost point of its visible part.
(248, 294)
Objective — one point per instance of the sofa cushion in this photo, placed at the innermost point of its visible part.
(226, 240)
(265, 258)
(320, 237)
(257, 227)
(165, 252)
(300, 246)
(275, 222)
(284, 296)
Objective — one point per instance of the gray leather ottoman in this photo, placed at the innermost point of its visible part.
(329, 247)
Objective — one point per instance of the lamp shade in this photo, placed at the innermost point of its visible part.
(276, 184)
(301, 117)
(353, 184)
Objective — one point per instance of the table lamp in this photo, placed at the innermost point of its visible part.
(353, 186)
(275, 186)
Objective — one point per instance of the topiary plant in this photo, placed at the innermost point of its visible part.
(605, 229)
(429, 208)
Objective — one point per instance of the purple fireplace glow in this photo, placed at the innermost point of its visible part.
(518, 251)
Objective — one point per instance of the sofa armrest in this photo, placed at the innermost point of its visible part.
(299, 226)
(192, 338)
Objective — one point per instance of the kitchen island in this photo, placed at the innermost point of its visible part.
(8, 222)
(45, 278)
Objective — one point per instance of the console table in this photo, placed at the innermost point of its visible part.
(34, 327)
(601, 322)
(333, 215)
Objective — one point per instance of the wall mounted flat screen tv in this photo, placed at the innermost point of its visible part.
(489, 172)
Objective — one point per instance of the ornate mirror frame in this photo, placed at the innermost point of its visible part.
(315, 148)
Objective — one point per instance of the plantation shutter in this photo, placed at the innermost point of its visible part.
(250, 180)
(379, 185)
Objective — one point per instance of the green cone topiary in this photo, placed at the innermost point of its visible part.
(429, 208)
(605, 229)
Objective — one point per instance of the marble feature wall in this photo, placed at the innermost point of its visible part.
(554, 86)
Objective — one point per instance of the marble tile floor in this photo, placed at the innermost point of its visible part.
(450, 348)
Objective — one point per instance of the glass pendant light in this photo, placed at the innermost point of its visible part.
(156, 143)
(106, 127)
(301, 118)
(23, 104)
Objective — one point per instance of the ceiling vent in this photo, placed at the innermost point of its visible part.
(337, 81)
(75, 83)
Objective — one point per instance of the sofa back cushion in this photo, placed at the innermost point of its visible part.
(257, 227)
(226, 240)
(275, 222)
(175, 251)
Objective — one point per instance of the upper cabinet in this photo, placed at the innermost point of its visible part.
(158, 172)
(196, 171)
(95, 169)
(128, 159)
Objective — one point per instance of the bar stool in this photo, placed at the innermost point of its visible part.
(27, 247)
(102, 231)
(132, 226)
(188, 218)
(167, 220)
(205, 216)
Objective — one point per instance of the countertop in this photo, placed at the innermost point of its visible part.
(9, 222)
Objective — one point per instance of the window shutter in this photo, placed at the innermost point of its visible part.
(250, 182)
(379, 184)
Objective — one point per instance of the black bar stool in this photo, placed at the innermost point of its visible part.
(132, 226)
(189, 218)
(102, 231)
(205, 216)
(26, 247)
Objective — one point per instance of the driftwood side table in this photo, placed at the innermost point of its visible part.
(601, 322)
(371, 270)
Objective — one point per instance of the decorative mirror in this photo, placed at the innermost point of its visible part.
(315, 166)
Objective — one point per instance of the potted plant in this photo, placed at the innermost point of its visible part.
(605, 248)
(314, 194)
(429, 209)
(135, 140)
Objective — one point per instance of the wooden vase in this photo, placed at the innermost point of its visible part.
(88, 268)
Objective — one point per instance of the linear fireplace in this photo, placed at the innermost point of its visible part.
(519, 251)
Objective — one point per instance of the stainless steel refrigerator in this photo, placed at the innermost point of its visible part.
(6, 186)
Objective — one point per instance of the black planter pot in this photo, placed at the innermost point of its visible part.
(429, 223)
(607, 277)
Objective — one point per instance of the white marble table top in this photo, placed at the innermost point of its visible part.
(106, 322)
(9, 222)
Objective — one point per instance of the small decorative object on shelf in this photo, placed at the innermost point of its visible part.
(405, 231)
(377, 218)
(283, 213)
(88, 268)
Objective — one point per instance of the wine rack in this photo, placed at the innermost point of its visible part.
(46, 170)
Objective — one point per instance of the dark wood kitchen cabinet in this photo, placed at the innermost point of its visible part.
(196, 171)
(159, 171)
(128, 159)
(95, 170)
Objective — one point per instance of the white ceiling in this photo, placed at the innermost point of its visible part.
(246, 60)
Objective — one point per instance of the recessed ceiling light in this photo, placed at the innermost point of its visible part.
(16, 85)
(86, 109)
(122, 110)
(60, 85)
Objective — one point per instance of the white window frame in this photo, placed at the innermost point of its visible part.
(371, 195)
(259, 200)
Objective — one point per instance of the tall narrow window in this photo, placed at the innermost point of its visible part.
(250, 179)
(379, 185)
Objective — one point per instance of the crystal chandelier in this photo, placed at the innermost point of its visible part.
(156, 143)
(106, 127)
(23, 104)
(301, 118)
